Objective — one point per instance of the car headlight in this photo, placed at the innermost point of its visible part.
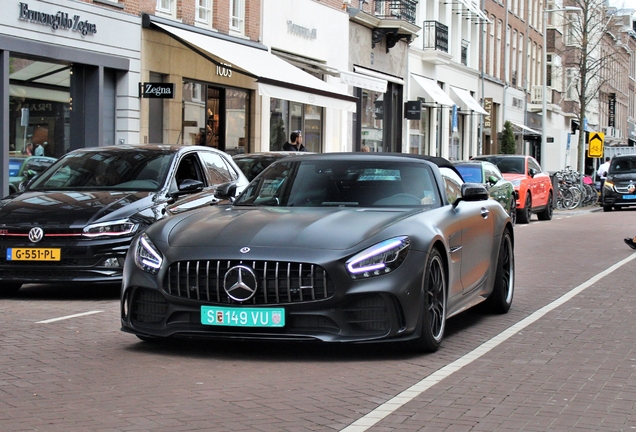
(608, 185)
(110, 229)
(147, 256)
(379, 259)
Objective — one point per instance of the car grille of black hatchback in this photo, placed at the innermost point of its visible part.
(278, 282)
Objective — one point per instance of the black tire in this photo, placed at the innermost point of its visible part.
(513, 211)
(524, 214)
(607, 208)
(9, 289)
(546, 213)
(500, 299)
(433, 314)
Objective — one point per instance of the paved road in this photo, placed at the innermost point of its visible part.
(568, 365)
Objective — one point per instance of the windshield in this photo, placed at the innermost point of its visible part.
(323, 183)
(138, 170)
(623, 165)
(14, 166)
(470, 173)
(252, 166)
(509, 164)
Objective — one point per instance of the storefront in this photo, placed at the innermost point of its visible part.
(230, 93)
(64, 76)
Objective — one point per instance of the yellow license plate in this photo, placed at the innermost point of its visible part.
(34, 254)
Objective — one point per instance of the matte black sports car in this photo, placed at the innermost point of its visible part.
(75, 221)
(331, 247)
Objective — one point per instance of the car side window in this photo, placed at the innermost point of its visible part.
(532, 164)
(492, 171)
(216, 167)
(452, 184)
(189, 169)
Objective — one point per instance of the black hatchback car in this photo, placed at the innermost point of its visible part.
(619, 189)
(75, 221)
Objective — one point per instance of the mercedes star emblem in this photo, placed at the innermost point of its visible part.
(240, 283)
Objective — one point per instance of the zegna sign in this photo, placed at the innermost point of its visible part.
(60, 20)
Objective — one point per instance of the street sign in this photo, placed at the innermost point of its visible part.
(595, 143)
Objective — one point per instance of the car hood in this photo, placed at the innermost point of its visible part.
(622, 176)
(71, 208)
(510, 177)
(333, 228)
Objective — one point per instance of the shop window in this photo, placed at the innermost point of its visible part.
(39, 107)
(219, 119)
(286, 116)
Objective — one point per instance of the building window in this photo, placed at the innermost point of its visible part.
(165, 6)
(237, 16)
(203, 12)
(465, 45)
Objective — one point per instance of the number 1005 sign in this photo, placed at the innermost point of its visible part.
(243, 317)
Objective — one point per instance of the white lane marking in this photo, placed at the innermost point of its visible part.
(68, 317)
(387, 408)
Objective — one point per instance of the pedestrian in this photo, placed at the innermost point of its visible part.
(601, 172)
(631, 242)
(365, 149)
(28, 150)
(296, 143)
(39, 150)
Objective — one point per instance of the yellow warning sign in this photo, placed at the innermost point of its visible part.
(595, 144)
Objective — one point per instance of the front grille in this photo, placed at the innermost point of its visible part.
(278, 282)
(368, 313)
(622, 189)
(148, 306)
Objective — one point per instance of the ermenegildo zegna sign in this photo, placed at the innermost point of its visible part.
(60, 20)
(156, 90)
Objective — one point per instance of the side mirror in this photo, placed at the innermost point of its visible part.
(492, 180)
(226, 191)
(472, 192)
(189, 186)
(532, 172)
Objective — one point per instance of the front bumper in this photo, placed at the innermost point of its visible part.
(385, 307)
(89, 260)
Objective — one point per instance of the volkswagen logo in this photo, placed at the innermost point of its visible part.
(36, 234)
(240, 283)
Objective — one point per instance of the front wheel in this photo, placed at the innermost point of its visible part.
(500, 299)
(433, 315)
(607, 208)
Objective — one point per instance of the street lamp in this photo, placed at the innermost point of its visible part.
(544, 113)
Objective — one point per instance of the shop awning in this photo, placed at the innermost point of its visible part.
(468, 101)
(473, 11)
(525, 129)
(363, 81)
(275, 77)
(433, 91)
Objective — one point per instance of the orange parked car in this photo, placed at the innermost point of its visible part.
(532, 184)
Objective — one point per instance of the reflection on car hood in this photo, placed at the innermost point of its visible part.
(511, 177)
(332, 228)
(71, 208)
(623, 176)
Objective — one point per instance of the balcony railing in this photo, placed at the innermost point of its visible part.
(435, 36)
(403, 10)
(536, 96)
